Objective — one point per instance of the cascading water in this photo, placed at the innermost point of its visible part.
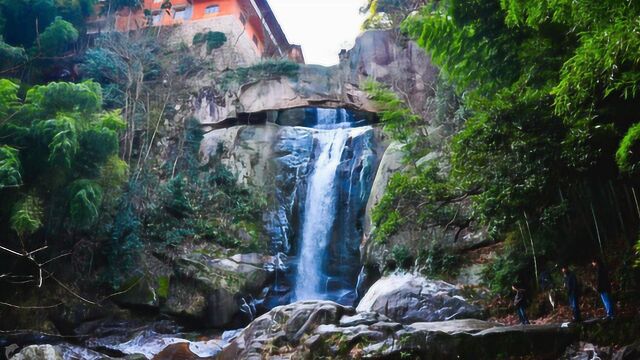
(337, 189)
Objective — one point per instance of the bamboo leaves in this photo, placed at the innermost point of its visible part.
(9, 167)
(27, 216)
(86, 198)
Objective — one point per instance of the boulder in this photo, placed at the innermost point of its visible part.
(283, 326)
(245, 150)
(628, 352)
(38, 352)
(390, 163)
(408, 298)
(321, 329)
(212, 289)
(387, 57)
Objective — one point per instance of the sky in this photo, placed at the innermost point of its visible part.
(322, 27)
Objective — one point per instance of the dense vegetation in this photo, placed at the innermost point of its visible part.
(547, 154)
(100, 174)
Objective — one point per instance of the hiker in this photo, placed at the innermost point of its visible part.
(520, 303)
(603, 286)
(573, 291)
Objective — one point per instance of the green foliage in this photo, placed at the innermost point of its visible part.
(86, 197)
(64, 140)
(97, 145)
(124, 247)
(163, 287)
(8, 98)
(27, 216)
(509, 267)
(118, 4)
(176, 202)
(58, 37)
(388, 14)
(637, 251)
(11, 56)
(402, 256)
(121, 64)
(55, 146)
(397, 117)
(628, 154)
(213, 39)
(266, 69)
(550, 87)
(114, 173)
(436, 261)
(63, 97)
(193, 205)
(421, 196)
(20, 18)
(9, 167)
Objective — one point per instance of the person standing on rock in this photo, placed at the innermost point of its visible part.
(603, 286)
(520, 303)
(573, 291)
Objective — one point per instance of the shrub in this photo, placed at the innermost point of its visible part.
(628, 154)
(213, 39)
(402, 256)
(11, 56)
(58, 37)
(124, 247)
(507, 268)
(437, 261)
(263, 70)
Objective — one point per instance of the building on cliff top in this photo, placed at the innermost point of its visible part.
(252, 19)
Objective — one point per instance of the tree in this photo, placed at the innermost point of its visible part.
(388, 14)
(53, 146)
(551, 89)
(58, 37)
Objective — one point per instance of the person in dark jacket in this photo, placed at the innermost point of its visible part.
(603, 286)
(520, 303)
(573, 291)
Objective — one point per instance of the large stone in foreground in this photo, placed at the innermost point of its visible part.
(322, 329)
(408, 299)
(282, 327)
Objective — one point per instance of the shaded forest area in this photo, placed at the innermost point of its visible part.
(544, 149)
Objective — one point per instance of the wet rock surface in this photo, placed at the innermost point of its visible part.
(324, 329)
(316, 329)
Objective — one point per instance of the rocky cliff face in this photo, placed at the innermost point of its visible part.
(265, 152)
(379, 55)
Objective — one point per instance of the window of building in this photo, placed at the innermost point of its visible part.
(243, 19)
(212, 9)
(157, 17)
(255, 40)
(181, 14)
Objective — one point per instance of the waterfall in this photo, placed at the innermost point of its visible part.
(329, 194)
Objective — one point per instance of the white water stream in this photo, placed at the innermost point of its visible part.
(330, 138)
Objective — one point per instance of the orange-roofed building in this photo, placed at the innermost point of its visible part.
(253, 18)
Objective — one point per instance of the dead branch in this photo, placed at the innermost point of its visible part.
(30, 307)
